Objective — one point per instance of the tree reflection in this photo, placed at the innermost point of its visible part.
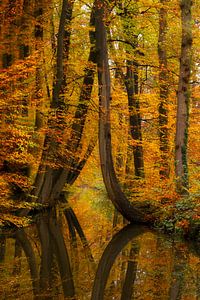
(2, 248)
(46, 238)
(54, 258)
(136, 264)
(118, 242)
(24, 242)
(151, 266)
(127, 289)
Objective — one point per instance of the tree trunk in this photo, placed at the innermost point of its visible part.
(105, 148)
(183, 98)
(131, 83)
(50, 182)
(130, 80)
(164, 92)
(62, 51)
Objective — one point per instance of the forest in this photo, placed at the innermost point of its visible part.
(99, 144)
(106, 89)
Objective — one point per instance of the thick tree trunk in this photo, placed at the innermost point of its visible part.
(183, 99)
(46, 176)
(50, 181)
(164, 92)
(105, 149)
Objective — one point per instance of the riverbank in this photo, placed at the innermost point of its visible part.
(181, 218)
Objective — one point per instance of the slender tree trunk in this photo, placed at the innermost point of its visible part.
(62, 51)
(38, 137)
(164, 92)
(183, 98)
(130, 80)
(105, 148)
(131, 83)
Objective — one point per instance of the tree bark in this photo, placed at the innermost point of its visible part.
(183, 98)
(131, 83)
(164, 92)
(62, 47)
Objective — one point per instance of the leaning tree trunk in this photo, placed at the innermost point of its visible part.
(183, 99)
(46, 178)
(50, 181)
(110, 180)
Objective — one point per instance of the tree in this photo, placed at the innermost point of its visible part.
(130, 78)
(131, 81)
(183, 99)
(105, 148)
(47, 174)
(164, 91)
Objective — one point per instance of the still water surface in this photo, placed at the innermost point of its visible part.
(55, 259)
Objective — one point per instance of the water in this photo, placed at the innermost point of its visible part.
(55, 258)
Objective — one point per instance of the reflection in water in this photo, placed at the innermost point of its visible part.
(54, 260)
(118, 242)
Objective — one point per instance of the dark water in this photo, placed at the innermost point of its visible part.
(53, 259)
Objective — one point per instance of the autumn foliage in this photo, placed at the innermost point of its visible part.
(46, 141)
